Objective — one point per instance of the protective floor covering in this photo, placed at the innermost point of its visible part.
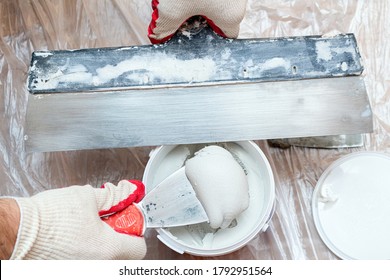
(26, 26)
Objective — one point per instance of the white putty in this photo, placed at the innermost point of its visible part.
(226, 53)
(344, 66)
(202, 236)
(176, 159)
(275, 62)
(327, 195)
(252, 70)
(220, 184)
(43, 54)
(331, 34)
(127, 48)
(166, 68)
(323, 51)
(186, 33)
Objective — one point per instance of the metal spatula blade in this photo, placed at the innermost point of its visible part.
(196, 89)
(173, 202)
(321, 142)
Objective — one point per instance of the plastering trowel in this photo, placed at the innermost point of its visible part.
(196, 88)
(322, 142)
(171, 203)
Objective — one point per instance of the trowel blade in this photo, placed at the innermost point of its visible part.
(321, 142)
(187, 115)
(196, 89)
(172, 203)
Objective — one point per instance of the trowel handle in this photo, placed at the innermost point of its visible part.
(129, 221)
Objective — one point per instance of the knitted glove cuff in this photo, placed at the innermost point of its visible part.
(45, 231)
(29, 227)
(64, 224)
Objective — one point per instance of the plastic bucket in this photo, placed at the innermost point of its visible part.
(200, 240)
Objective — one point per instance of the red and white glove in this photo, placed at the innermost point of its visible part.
(65, 223)
(224, 16)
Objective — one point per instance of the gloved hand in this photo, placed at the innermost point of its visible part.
(224, 16)
(65, 223)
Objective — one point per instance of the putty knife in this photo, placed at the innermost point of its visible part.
(171, 203)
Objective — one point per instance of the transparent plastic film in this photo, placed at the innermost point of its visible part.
(27, 26)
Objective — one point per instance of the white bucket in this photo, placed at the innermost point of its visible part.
(199, 240)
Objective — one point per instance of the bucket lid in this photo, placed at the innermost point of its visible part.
(351, 206)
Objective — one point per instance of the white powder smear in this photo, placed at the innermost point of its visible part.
(43, 54)
(344, 66)
(323, 51)
(166, 69)
(326, 51)
(252, 70)
(276, 62)
(140, 69)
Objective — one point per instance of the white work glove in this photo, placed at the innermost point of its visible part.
(65, 224)
(224, 16)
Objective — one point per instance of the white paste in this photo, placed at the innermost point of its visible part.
(201, 236)
(323, 51)
(251, 69)
(220, 184)
(167, 69)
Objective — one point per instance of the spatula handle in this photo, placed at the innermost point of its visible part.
(129, 221)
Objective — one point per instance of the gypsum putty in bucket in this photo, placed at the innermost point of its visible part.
(166, 159)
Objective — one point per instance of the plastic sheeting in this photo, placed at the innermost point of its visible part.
(71, 24)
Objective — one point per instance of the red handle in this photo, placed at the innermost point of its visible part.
(128, 221)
